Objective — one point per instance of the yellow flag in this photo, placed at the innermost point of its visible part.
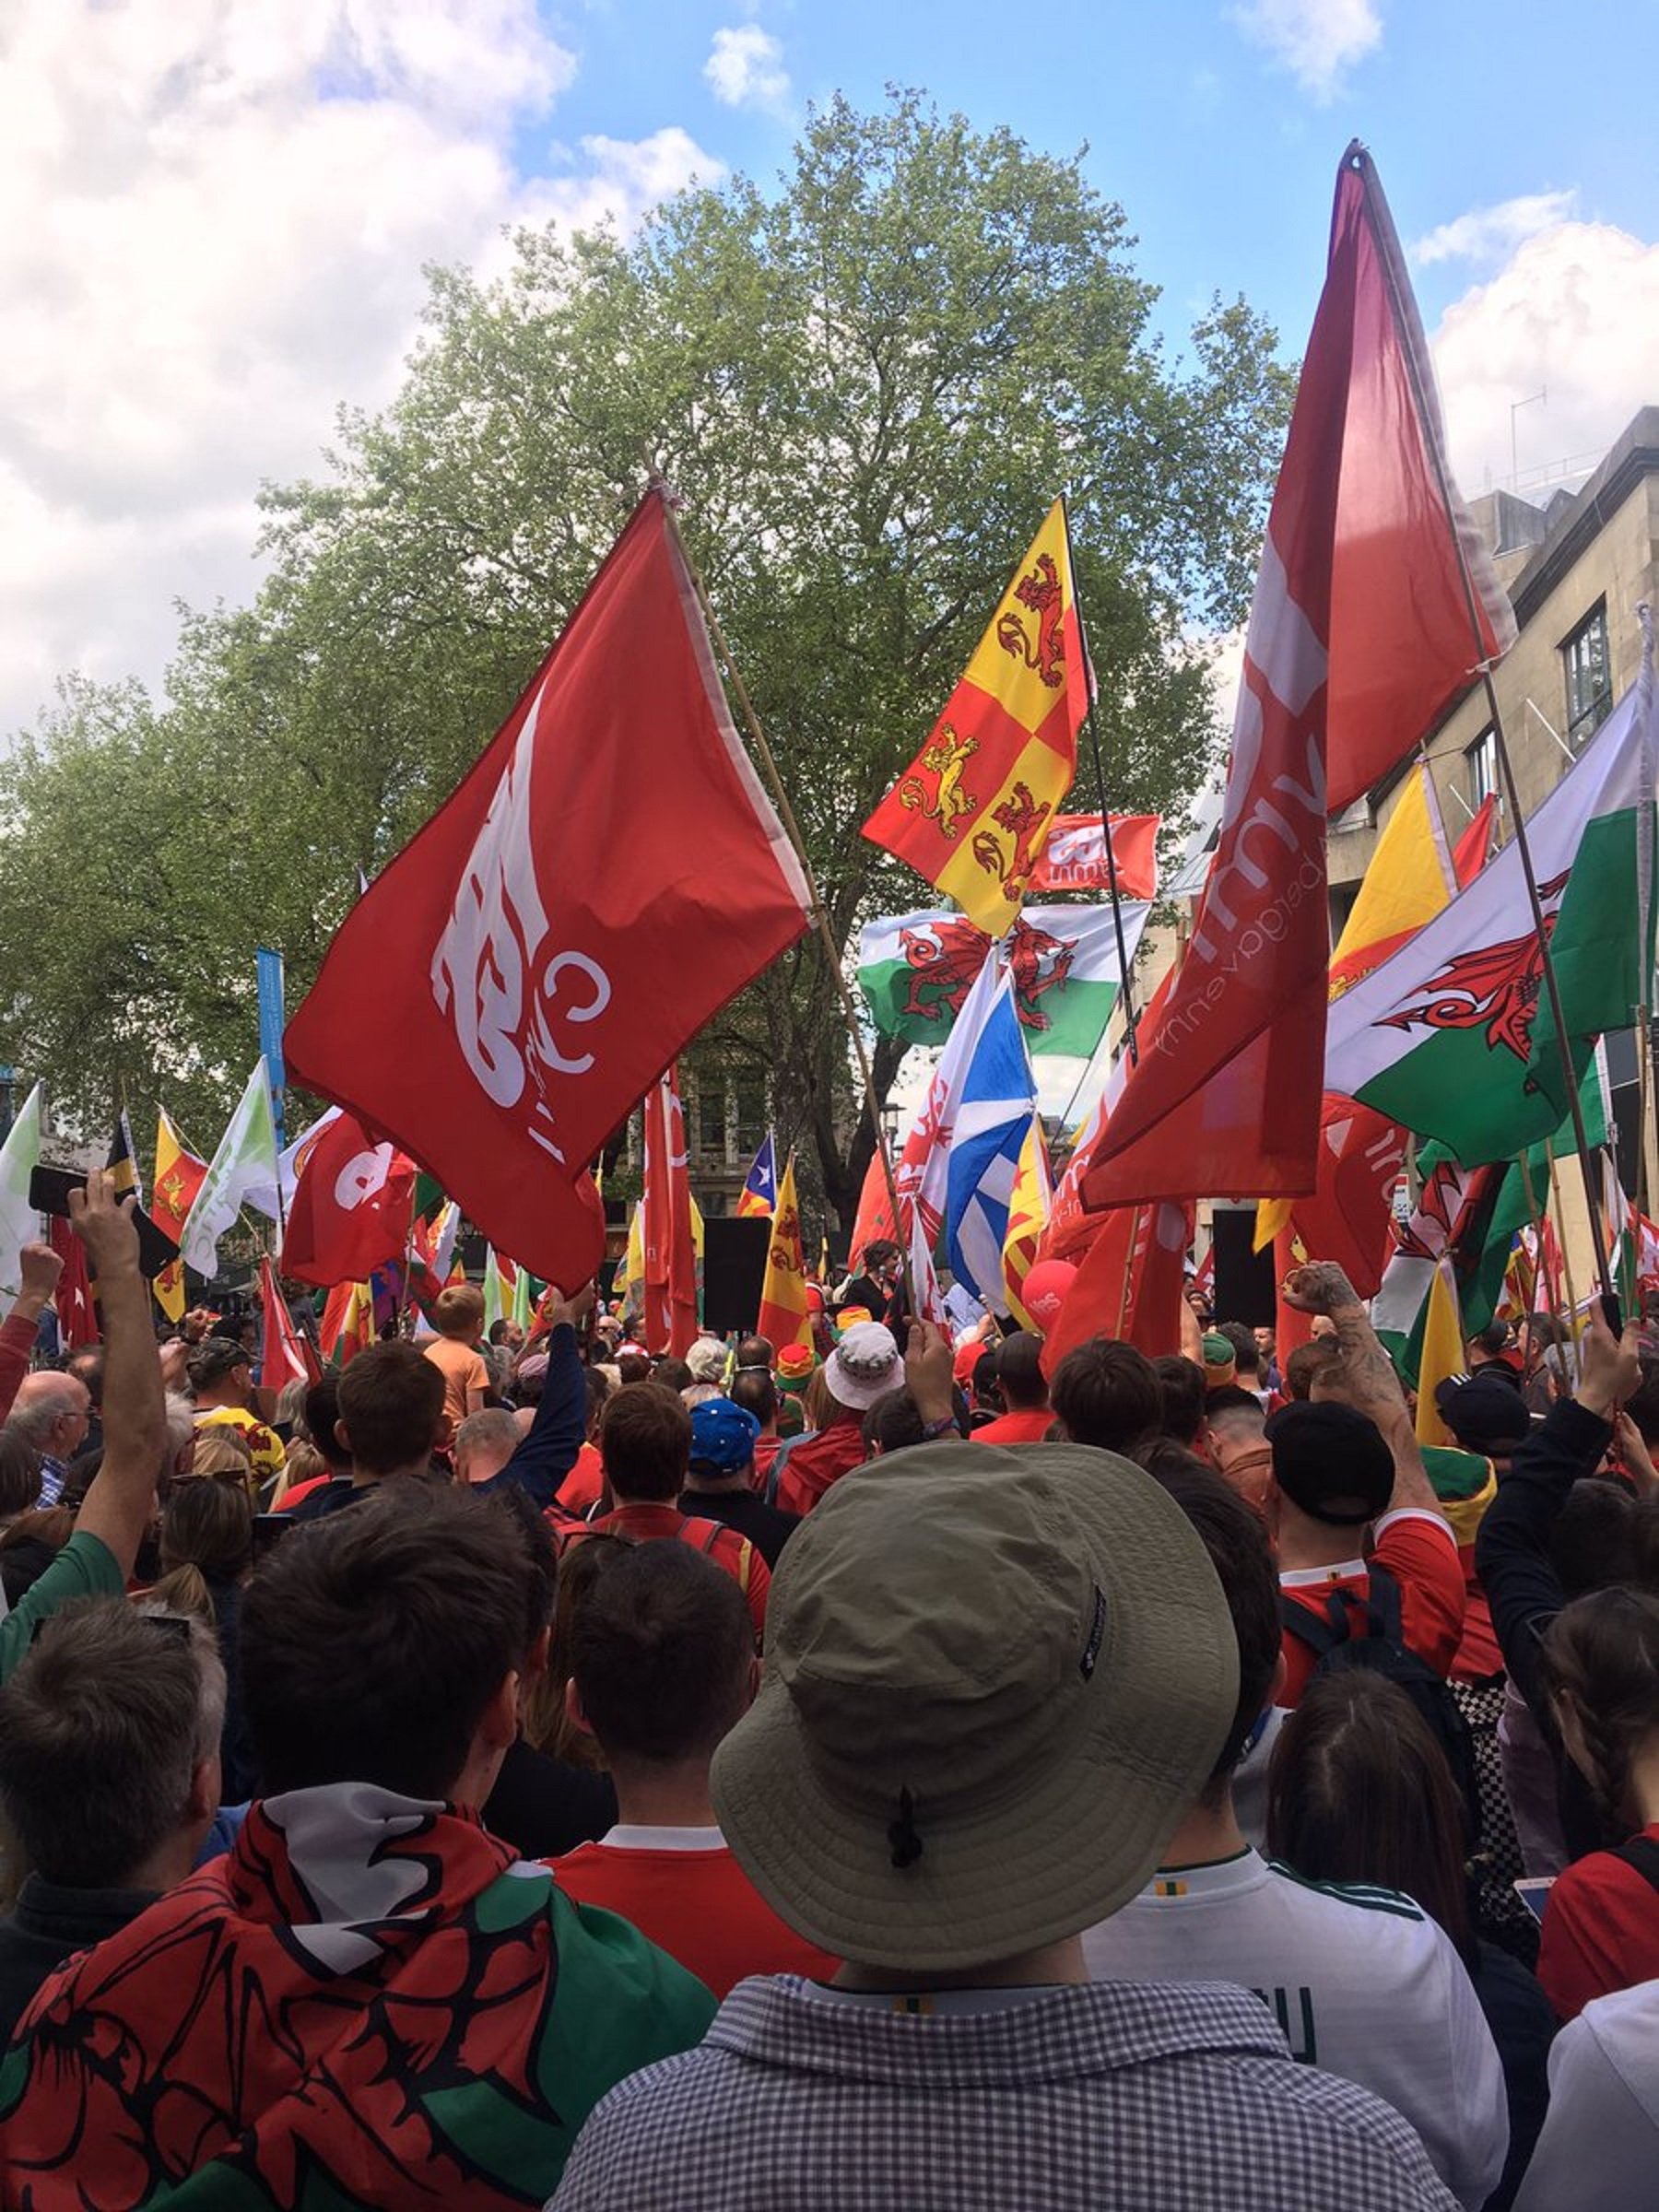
(1028, 1210)
(179, 1176)
(1443, 1353)
(783, 1317)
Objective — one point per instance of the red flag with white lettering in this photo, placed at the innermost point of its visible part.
(1360, 634)
(604, 878)
(670, 1317)
(351, 1205)
(1130, 1284)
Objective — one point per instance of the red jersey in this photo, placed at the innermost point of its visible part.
(1420, 1552)
(818, 1462)
(582, 1487)
(649, 1524)
(1029, 1426)
(1601, 1930)
(682, 1889)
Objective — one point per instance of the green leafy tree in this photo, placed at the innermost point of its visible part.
(867, 386)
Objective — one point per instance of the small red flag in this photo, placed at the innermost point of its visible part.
(670, 1258)
(351, 1205)
(77, 1316)
(604, 878)
(285, 1356)
(1475, 846)
(1075, 856)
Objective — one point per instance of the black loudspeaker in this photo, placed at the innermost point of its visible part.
(1245, 1284)
(734, 1269)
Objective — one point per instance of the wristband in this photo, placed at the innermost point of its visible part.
(944, 1426)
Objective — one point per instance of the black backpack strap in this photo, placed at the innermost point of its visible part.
(1321, 1632)
(1643, 1854)
(1384, 1605)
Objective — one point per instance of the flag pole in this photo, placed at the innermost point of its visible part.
(1406, 322)
(1131, 1020)
(793, 830)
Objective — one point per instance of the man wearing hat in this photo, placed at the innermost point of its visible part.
(221, 1377)
(864, 1367)
(995, 1678)
(1348, 1462)
(722, 1477)
(797, 1363)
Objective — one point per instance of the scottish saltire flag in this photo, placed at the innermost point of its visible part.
(759, 1193)
(993, 1117)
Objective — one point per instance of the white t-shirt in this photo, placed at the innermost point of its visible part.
(1363, 1981)
(1599, 2149)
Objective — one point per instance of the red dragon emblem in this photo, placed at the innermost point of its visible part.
(944, 957)
(1495, 987)
(1041, 591)
(1023, 819)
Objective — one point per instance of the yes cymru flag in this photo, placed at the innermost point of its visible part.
(605, 878)
(782, 1318)
(179, 1176)
(1453, 1037)
(351, 1205)
(915, 970)
(242, 1169)
(973, 809)
(1074, 859)
(759, 1192)
(1358, 635)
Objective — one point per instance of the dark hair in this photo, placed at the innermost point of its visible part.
(20, 1473)
(1303, 1361)
(753, 1352)
(497, 1332)
(1247, 1358)
(660, 1651)
(1593, 1538)
(892, 1424)
(30, 1546)
(1359, 1791)
(1494, 1338)
(633, 1367)
(673, 1374)
(102, 1725)
(86, 1365)
(207, 1537)
(547, 1725)
(391, 1401)
(756, 1390)
(1545, 1328)
(322, 1412)
(598, 1394)
(645, 1442)
(1019, 1372)
(1642, 1405)
(1231, 1397)
(1180, 1394)
(1243, 1558)
(1603, 1653)
(1106, 1392)
(373, 1640)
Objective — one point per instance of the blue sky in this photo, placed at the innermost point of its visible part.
(214, 218)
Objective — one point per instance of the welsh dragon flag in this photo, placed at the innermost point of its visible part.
(1453, 1037)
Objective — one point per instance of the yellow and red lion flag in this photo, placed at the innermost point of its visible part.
(784, 1292)
(1028, 1211)
(179, 1176)
(973, 810)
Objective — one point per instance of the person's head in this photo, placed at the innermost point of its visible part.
(1539, 1334)
(206, 1541)
(1019, 1376)
(390, 1403)
(662, 1659)
(1643, 1405)
(109, 1746)
(1330, 1466)
(1359, 1791)
(1246, 1357)
(1493, 1342)
(1486, 1413)
(221, 1373)
(484, 1443)
(458, 1312)
(501, 1332)
(51, 1414)
(1601, 1661)
(753, 1352)
(645, 1442)
(879, 1259)
(1235, 1419)
(976, 1730)
(86, 1365)
(892, 1424)
(20, 1474)
(633, 1367)
(1243, 1558)
(864, 1366)
(27, 1547)
(385, 1645)
(599, 1388)
(1595, 1539)
(673, 1374)
(322, 1424)
(1306, 1361)
(756, 1390)
(546, 1719)
(1266, 1344)
(707, 1360)
(722, 1444)
(1220, 1360)
(1180, 1398)
(1106, 1392)
(221, 1454)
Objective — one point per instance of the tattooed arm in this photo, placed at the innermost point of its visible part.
(1364, 1376)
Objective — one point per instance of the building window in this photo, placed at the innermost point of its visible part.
(1480, 760)
(1589, 669)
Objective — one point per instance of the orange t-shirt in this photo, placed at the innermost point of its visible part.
(682, 1888)
(463, 1368)
(1420, 1552)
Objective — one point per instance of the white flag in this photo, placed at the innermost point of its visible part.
(19, 1221)
(243, 1170)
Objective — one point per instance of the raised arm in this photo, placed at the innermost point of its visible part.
(38, 1268)
(548, 1449)
(1365, 1377)
(117, 1507)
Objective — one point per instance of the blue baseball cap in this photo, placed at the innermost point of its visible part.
(722, 1435)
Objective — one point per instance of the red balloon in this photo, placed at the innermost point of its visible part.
(1045, 1289)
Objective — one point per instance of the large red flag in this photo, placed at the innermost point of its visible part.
(1360, 634)
(670, 1319)
(351, 1205)
(604, 878)
(1130, 1284)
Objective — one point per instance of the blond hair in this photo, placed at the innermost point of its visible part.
(458, 1310)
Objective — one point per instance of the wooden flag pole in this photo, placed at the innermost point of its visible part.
(1427, 420)
(1571, 1288)
(793, 830)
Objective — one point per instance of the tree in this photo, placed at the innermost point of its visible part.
(867, 388)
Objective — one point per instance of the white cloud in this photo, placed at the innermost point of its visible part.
(1317, 41)
(745, 68)
(1487, 233)
(1574, 311)
(213, 222)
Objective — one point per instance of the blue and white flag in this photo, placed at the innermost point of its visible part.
(759, 1193)
(993, 1107)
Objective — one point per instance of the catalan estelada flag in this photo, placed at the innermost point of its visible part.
(758, 1195)
(973, 810)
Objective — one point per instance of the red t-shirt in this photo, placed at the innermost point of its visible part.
(1601, 1930)
(1024, 1428)
(582, 1487)
(694, 1901)
(766, 1450)
(302, 1491)
(1420, 1552)
(649, 1523)
(818, 1462)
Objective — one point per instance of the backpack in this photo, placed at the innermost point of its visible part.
(1643, 1854)
(1367, 1632)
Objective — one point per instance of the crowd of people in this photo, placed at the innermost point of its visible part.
(527, 1767)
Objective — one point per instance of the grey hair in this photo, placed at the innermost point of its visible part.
(180, 1427)
(35, 1421)
(486, 1430)
(291, 1407)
